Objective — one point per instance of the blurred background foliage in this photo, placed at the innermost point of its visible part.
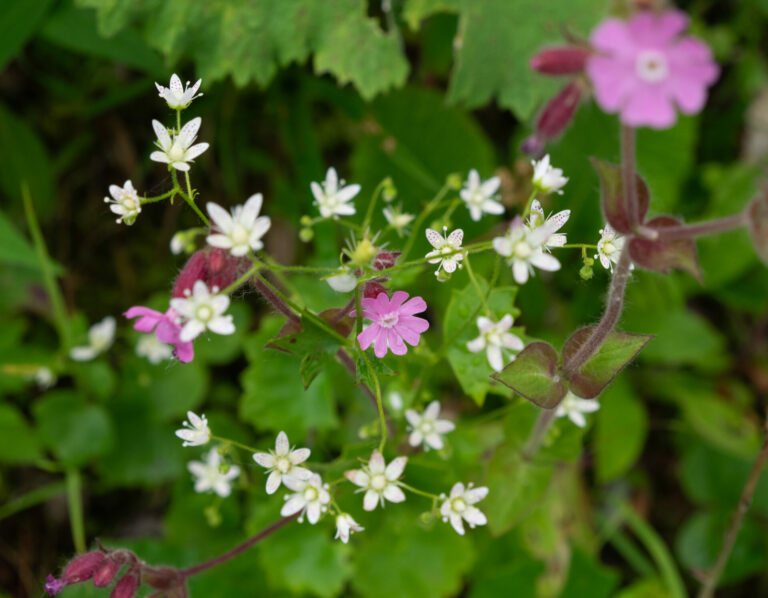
(425, 89)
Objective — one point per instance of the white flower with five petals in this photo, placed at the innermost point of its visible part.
(195, 431)
(426, 428)
(574, 408)
(480, 196)
(495, 338)
(124, 202)
(459, 506)
(153, 349)
(241, 229)
(213, 474)
(283, 462)
(397, 219)
(547, 179)
(177, 95)
(202, 310)
(345, 526)
(311, 497)
(378, 480)
(100, 338)
(609, 247)
(554, 223)
(333, 197)
(524, 250)
(178, 150)
(447, 249)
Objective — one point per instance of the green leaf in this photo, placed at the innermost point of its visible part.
(75, 431)
(587, 577)
(18, 21)
(618, 349)
(612, 196)
(18, 442)
(415, 11)
(663, 256)
(651, 587)
(533, 374)
(14, 248)
(306, 337)
(223, 348)
(177, 388)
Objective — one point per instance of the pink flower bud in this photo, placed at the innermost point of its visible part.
(83, 567)
(126, 587)
(386, 259)
(566, 60)
(559, 112)
(106, 573)
(215, 267)
(371, 290)
(193, 270)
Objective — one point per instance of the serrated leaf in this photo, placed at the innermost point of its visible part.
(758, 225)
(309, 368)
(663, 255)
(533, 374)
(307, 337)
(618, 349)
(612, 197)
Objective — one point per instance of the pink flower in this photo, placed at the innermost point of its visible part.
(53, 586)
(644, 66)
(392, 323)
(166, 328)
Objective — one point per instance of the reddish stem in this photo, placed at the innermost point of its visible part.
(276, 301)
(708, 227)
(628, 176)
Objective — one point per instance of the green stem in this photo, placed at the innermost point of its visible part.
(145, 199)
(529, 203)
(479, 290)
(377, 392)
(178, 120)
(75, 502)
(428, 495)
(576, 246)
(422, 217)
(188, 197)
(245, 447)
(372, 204)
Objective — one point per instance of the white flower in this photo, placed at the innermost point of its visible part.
(195, 431)
(447, 249)
(124, 202)
(379, 480)
(45, 378)
(202, 310)
(395, 400)
(153, 349)
(240, 230)
(345, 525)
(426, 428)
(310, 497)
(547, 179)
(213, 474)
(100, 338)
(179, 242)
(459, 506)
(333, 197)
(343, 282)
(575, 407)
(480, 196)
(495, 338)
(523, 249)
(609, 247)
(554, 223)
(283, 462)
(397, 219)
(176, 95)
(178, 151)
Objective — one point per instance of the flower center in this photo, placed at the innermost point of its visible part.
(609, 248)
(458, 505)
(379, 482)
(203, 313)
(389, 320)
(652, 66)
(522, 250)
(176, 153)
(239, 234)
(282, 464)
(129, 203)
(310, 494)
(426, 427)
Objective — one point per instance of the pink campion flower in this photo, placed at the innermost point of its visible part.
(167, 329)
(645, 66)
(392, 322)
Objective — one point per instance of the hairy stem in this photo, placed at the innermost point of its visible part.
(729, 539)
(709, 227)
(546, 417)
(628, 175)
(275, 300)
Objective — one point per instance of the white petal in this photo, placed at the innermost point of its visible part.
(313, 512)
(457, 524)
(222, 325)
(191, 330)
(376, 463)
(520, 272)
(300, 455)
(476, 345)
(413, 417)
(435, 238)
(494, 357)
(159, 156)
(221, 218)
(293, 505)
(189, 132)
(545, 261)
(435, 441)
(163, 137)
(395, 468)
(273, 482)
(433, 410)
(282, 446)
(264, 459)
(475, 516)
(370, 500)
(393, 493)
(194, 151)
(358, 477)
(474, 495)
(84, 353)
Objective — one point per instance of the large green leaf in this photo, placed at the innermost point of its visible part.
(18, 21)
(18, 442)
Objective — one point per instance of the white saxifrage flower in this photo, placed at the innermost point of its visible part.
(547, 179)
(45, 378)
(311, 497)
(195, 431)
(574, 408)
(153, 349)
(124, 202)
(333, 197)
(177, 95)
(524, 250)
(178, 150)
(554, 223)
(397, 219)
(447, 249)
(609, 247)
(241, 229)
(480, 196)
(426, 428)
(345, 526)
(283, 462)
(343, 282)
(459, 506)
(203, 310)
(100, 338)
(495, 338)
(213, 474)
(378, 480)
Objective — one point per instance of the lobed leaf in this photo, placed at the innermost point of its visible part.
(663, 255)
(533, 374)
(612, 196)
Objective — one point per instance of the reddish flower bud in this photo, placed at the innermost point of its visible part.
(554, 119)
(126, 587)
(215, 267)
(106, 573)
(192, 271)
(83, 567)
(371, 290)
(386, 259)
(565, 60)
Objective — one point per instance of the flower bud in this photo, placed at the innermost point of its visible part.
(565, 60)
(306, 221)
(106, 573)
(371, 290)
(363, 253)
(126, 587)
(83, 567)
(306, 235)
(386, 259)
(192, 271)
(389, 193)
(559, 112)
(454, 181)
(215, 267)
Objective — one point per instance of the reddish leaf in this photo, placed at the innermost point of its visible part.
(613, 355)
(662, 256)
(612, 196)
(758, 225)
(533, 374)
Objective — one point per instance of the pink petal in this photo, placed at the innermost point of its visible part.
(367, 336)
(380, 348)
(613, 80)
(396, 344)
(414, 323)
(649, 107)
(409, 336)
(414, 306)
(610, 36)
(148, 318)
(398, 298)
(649, 30)
(168, 331)
(185, 352)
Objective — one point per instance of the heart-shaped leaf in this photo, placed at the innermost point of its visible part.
(758, 225)
(612, 196)
(662, 255)
(613, 355)
(533, 374)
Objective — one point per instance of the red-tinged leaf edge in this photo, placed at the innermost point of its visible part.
(663, 256)
(612, 196)
(533, 375)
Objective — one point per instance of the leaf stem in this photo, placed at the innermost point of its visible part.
(245, 447)
(75, 503)
(543, 422)
(428, 495)
(627, 139)
(708, 227)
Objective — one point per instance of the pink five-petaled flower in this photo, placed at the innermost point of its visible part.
(166, 327)
(392, 322)
(643, 66)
